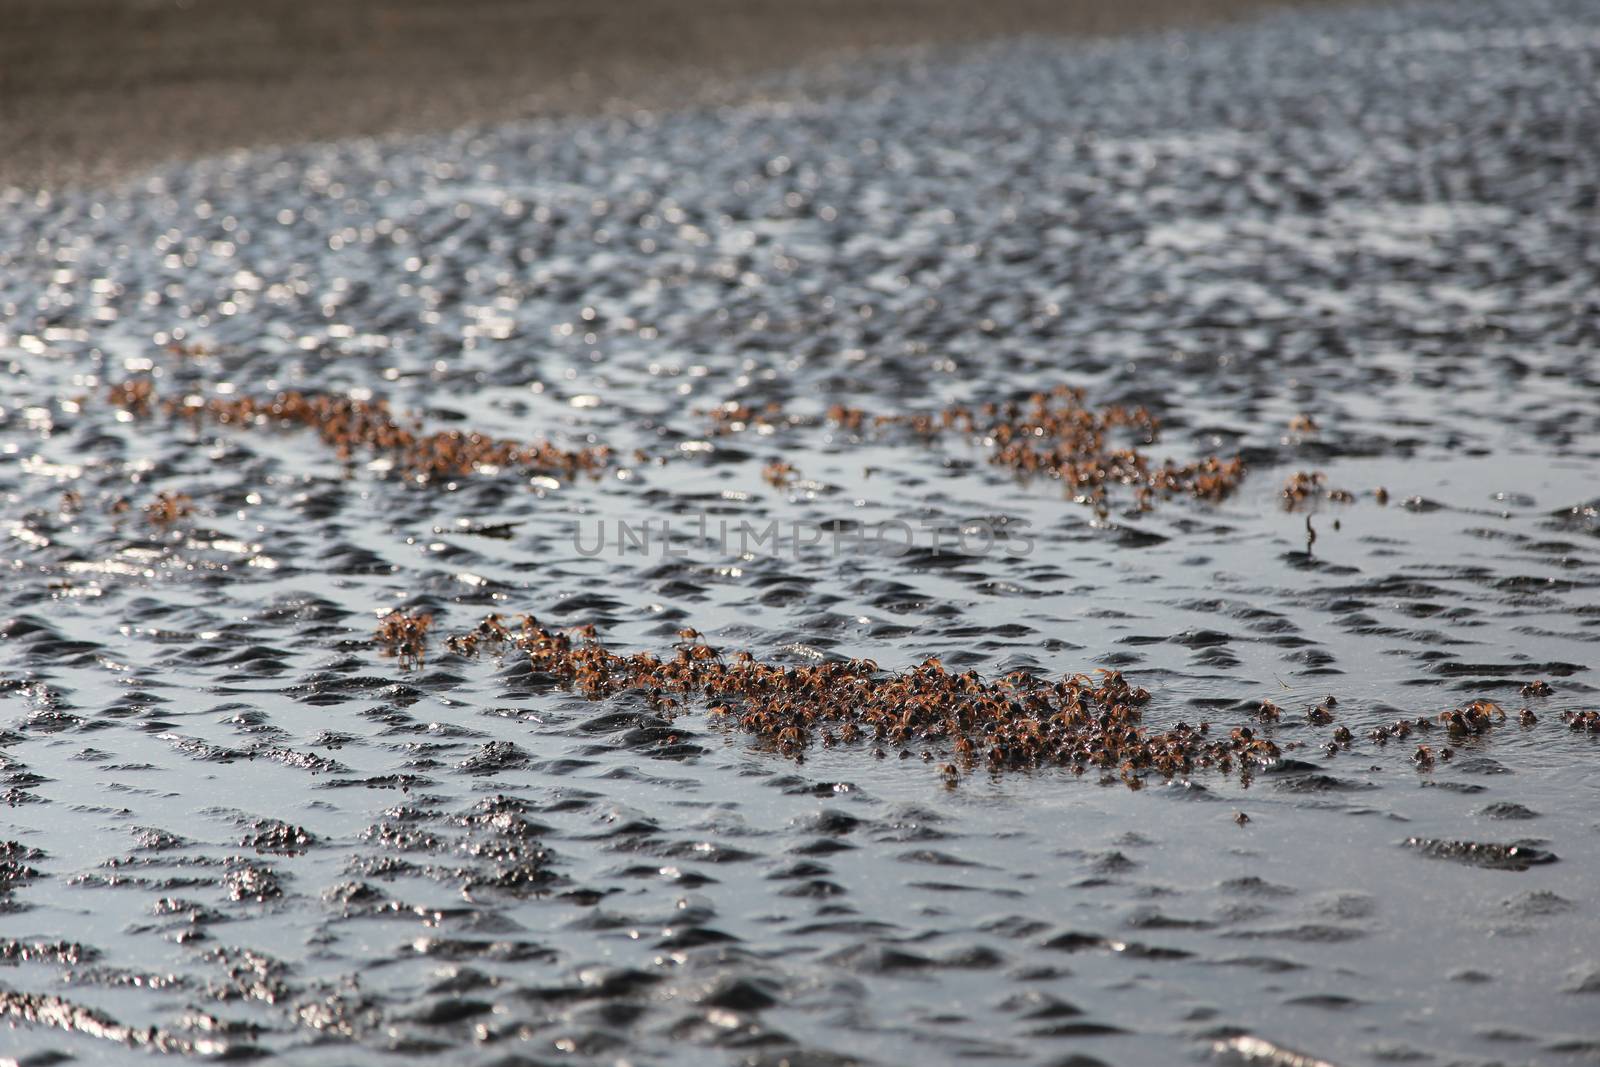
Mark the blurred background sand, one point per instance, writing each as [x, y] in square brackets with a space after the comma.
[91, 89]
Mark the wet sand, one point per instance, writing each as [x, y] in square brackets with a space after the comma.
[90, 89]
[1238, 696]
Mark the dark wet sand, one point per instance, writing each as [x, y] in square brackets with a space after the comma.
[90, 89]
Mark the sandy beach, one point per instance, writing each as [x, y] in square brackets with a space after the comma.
[91, 89]
[1064, 552]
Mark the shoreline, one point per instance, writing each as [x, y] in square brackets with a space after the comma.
[96, 90]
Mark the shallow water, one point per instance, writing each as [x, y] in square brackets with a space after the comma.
[1378, 219]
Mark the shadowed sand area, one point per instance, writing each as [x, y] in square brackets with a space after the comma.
[92, 88]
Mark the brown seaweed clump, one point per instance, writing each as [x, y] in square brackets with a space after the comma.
[1474, 718]
[1582, 720]
[1399, 730]
[1058, 435]
[404, 635]
[779, 474]
[1469, 720]
[168, 508]
[734, 417]
[136, 396]
[1305, 486]
[1054, 434]
[1016, 722]
[349, 426]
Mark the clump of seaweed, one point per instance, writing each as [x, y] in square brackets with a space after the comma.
[192, 350]
[348, 426]
[1054, 434]
[851, 418]
[1399, 730]
[168, 508]
[779, 474]
[734, 417]
[404, 635]
[1582, 720]
[46, 1009]
[1016, 722]
[1305, 486]
[137, 396]
[1473, 718]
[1057, 435]
[1423, 757]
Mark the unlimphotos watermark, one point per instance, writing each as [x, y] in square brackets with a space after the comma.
[682, 536]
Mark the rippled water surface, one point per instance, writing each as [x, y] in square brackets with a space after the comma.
[1360, 243]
